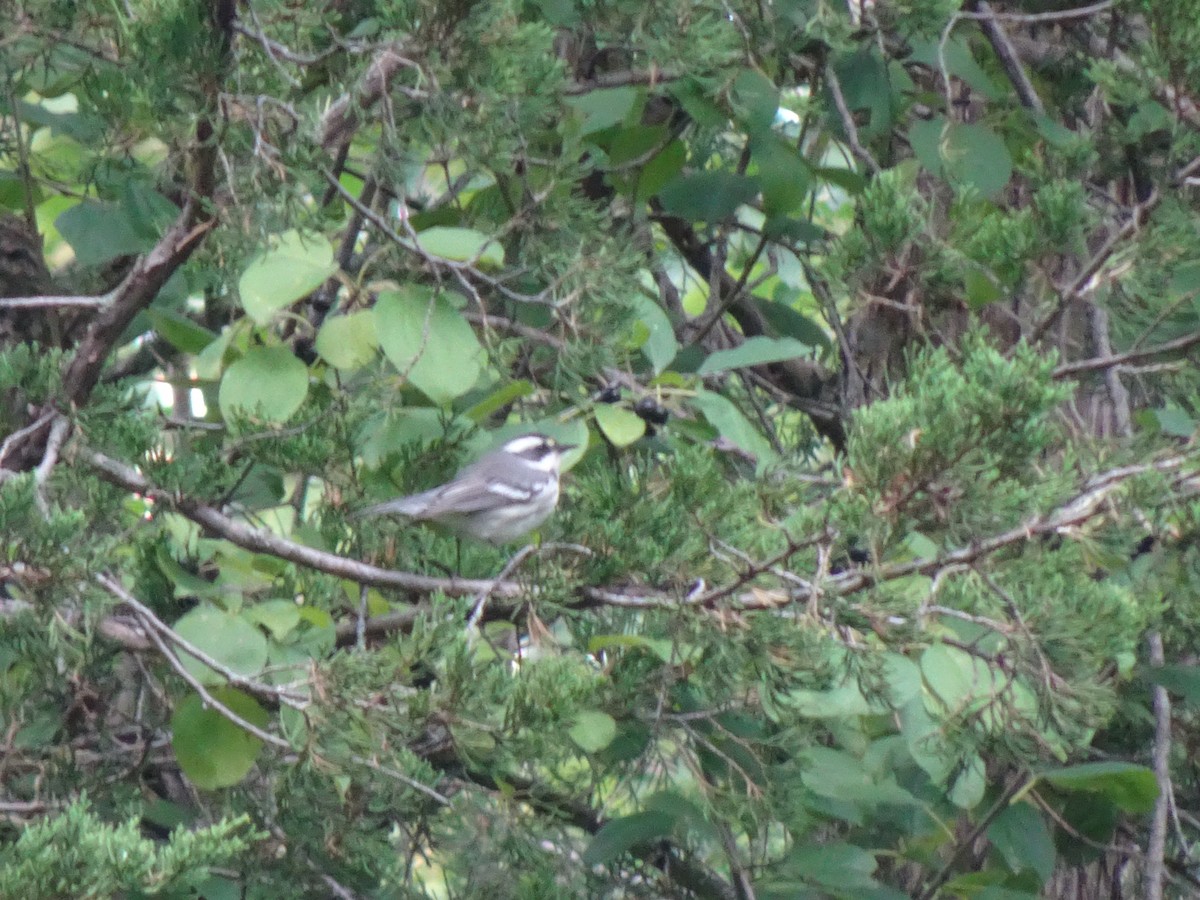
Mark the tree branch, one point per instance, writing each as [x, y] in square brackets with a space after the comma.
[259, 541]
[1156, 847]
[1008, 56]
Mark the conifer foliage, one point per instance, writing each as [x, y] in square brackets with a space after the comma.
[874, 574]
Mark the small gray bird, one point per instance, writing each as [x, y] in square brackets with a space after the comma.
[497, 499]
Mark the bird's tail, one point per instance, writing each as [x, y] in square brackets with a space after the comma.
[412, 507]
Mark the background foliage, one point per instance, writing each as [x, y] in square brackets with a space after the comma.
[875, 573]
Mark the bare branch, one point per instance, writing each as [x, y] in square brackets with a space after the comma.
[1079, 367]
[59, 429]
[1156, 847]
[55, 302]
[259, 541]
[265, 691]
[1008, 56]
[839, 100]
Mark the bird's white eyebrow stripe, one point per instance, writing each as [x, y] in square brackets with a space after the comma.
[524, 442]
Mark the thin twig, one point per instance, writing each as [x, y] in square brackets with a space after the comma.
[481, 600]
[839, 101]
[1057, 16]
[1008, 57]
[1067, 370]
[1156, 846]
[401, 777]
[147, 615]
[22, 433]
[57, 301]
[59, 428]
[209, 700]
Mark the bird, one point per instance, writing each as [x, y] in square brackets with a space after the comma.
[499, 498]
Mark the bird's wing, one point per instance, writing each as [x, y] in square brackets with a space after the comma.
[476, 496]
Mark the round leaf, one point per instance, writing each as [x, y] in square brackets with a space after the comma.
[462, 245]
[593, 730]
[732, 425]
[278, 616]
[297, 265]
[211, 750]
[754, 351]
[708, 196]
[229, 639]
[348, 342]
[783, 172]
[620, 425]
[428, 341]
[1131, 787]
[268, 382]
[976, 155]
[619, 835]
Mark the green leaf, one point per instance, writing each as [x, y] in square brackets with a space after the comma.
[665, 165]
[920, 546]
[865, 85]
[349, 341]
[835, 864]
[925, 740]
[268, 382]
[976, 155]
[428, 341]
[835, 703]
[179, 331]
[620, 425]
[511, 392]
[970, 783]
[1183, 681]
[278, 616]
[754, 351]
[1174, 421]
[618, 836]
[981, 288]
[783, 173]
[953, 676]
[1090, 820]
[664, 649]
[593, 730]
[903, 679]
[792, 324]
[606, 107]
[98, 232]
[1186, 278]
[754, 99]
[708, 196]
[960, 62]
[462, 245]
[295, 266]
[839, 775]
[925, 138]
[212, 751]
[788, 229]
[633, 142]
[696, 97]
[386, 435]
[1132, 788]
[1057, 134]
[1020, 835]
[228, 639]
[733, 426]
[657, 342]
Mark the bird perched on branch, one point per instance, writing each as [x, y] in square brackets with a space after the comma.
[504, 495]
